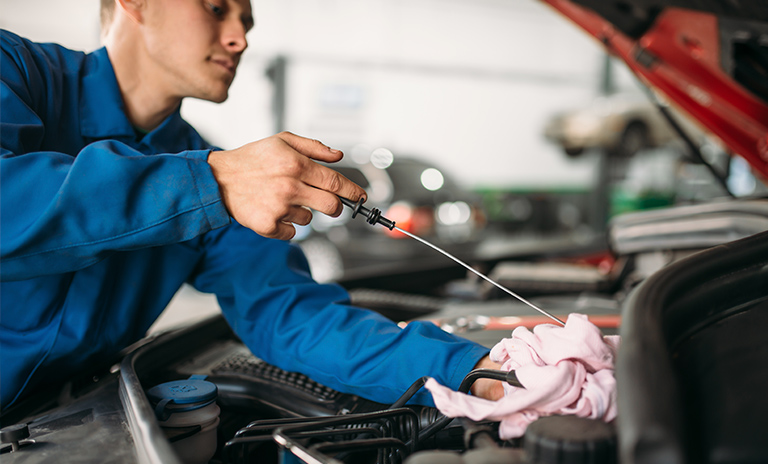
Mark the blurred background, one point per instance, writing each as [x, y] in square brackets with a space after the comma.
[491, 127]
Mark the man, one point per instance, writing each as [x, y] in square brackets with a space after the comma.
[111, 201]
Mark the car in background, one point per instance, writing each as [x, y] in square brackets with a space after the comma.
[420, 197]
[621, 123]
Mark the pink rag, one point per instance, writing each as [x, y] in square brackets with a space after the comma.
[565, 370]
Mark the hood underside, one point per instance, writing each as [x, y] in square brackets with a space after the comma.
[708, 58]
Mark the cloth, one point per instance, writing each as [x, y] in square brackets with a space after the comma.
[565, 370]
[100, 227]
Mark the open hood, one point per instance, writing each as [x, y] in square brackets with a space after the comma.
[708, 58]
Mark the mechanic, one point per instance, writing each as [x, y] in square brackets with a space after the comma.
[111, 201]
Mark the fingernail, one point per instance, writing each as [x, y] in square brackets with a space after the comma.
[334, 151]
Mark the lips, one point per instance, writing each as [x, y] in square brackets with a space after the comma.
[225, 63]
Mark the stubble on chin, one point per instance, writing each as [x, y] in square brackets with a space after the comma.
[215, 90]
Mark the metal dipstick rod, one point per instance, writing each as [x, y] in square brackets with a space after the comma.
[373, 216]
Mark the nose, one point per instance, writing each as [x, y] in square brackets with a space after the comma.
[233, 36]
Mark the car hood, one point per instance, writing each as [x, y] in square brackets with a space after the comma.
[709, 60]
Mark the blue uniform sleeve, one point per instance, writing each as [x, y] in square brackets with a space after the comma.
[63, 212]
[284, 317]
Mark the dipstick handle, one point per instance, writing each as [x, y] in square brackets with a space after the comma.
[373, 215]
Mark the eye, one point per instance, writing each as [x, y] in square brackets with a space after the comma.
[216, 10]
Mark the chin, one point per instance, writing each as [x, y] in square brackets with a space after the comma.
[212, 94]
[219, 98]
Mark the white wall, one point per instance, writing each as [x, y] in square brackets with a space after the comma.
[467, 83]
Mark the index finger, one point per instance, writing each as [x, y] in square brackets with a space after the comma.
[320, 176]
[325, 178]
[311, 148]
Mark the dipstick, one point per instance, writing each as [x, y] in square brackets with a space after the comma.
[434, 247]
[373, 216]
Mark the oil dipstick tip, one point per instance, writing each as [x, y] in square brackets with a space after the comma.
[372, 216]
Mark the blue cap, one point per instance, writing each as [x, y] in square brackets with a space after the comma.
[194, 391]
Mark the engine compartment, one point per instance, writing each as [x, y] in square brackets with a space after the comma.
[268, 414]
[691, 387]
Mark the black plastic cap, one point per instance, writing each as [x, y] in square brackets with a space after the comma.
[570, 439]
[14, 433]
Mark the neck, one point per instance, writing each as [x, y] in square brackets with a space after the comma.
[146, 103]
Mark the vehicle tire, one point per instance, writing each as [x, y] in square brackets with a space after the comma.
[634, 138]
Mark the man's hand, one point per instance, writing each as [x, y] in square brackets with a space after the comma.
[487, 388]
[271, 184]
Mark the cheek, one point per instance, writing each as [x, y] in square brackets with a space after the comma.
[183, 29]
[197, 35]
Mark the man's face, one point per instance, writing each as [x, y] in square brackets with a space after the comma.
[194, 46]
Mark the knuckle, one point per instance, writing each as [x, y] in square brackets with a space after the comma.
[292, 166]
[272, 142]
[331, 207]
[334, 181]
[288, 191]
[269, 230]
[271, 148]
[278, 211]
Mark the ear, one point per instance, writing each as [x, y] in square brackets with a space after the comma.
[133, 8]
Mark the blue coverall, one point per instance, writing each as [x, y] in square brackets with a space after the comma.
[100, 227]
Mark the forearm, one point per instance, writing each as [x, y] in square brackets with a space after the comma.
[288, 320]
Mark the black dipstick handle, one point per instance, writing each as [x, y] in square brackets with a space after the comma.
[373, 215]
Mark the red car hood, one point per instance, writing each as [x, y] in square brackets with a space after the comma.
[711, 62]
